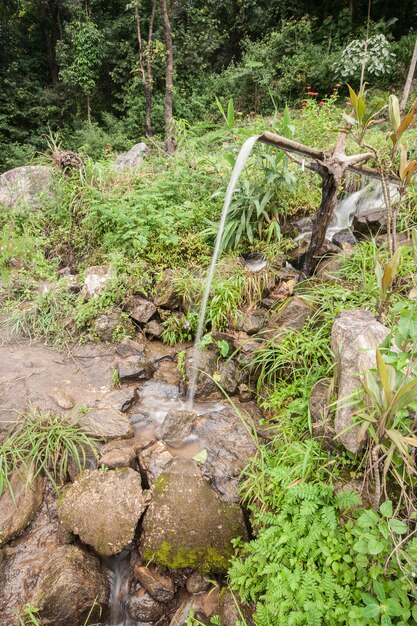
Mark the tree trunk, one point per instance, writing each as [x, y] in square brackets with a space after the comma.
[331, 167]
[170, 143]
[49, 14]
[146, 70]
[409, 79]
[88, 108]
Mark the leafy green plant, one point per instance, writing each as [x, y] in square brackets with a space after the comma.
[43, 442]
[316, 559]
[386, 417]
[179, 328]
[29, 615]
[385, 279]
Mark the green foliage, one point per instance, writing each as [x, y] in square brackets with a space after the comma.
[29, 615]
[376, 54]
[44, 442]
[80, 55]
[316, 560]
[178, 329]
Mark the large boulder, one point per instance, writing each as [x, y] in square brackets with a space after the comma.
[103, 508]
[30, 185]
[186, 524]
[71, 583]
[355, 337]
[19, 506]
[132, 158]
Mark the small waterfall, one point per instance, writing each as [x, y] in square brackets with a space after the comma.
[119, 566]
[345, 210]
[243, 156]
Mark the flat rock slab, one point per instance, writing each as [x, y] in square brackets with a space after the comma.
[186, 524]
[32, 373]
[355, 337]
[18, 511]
[103, 508]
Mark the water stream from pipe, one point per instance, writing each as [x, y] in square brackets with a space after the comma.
[243, 156]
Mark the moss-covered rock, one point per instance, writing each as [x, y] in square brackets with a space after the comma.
[186, 524]
[103, 508]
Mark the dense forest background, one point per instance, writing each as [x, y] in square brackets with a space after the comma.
[83, 69]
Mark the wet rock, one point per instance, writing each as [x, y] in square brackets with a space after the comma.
[139, 309]
[18, 511]
[186, 524]
[196, 583]
[293, 315]
[344, 237]
[103, 508]
[143, 608]
[177, 425]
[167, 372]
[161, 588]
[154, 329]
[130, 347]
[123, 399]
[132, 158]
[370, 220]
[135, 368]
[201, 607]
[71, 582]
[297, 254]
[244, 392]
[121, 453]
[154, 459]
[225, 437]
[231, 375]
[166, 296]
[355, 337]
[106, 323]
[214, 373]
[207, 366]
[322, 424]
[106, 423]
[24, 558]
[231, 610]
[253, 321]
[30, 185]
[63, 399]
[96, 279]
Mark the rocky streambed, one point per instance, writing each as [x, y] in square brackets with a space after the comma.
[140, 535]
[140, 532]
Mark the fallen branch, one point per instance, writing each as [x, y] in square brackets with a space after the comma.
[331, 167]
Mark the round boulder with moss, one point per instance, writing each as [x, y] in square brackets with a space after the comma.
[103, 508]
[187, 524]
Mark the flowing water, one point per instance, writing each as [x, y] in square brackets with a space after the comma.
[243, 156]
[119, 565]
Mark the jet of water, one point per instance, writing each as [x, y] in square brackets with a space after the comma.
[243, 156]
